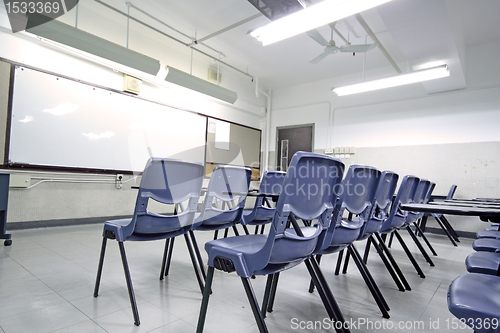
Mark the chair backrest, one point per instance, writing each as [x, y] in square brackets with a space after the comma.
[308, 193]
[358, 189]
[309, 189]
[405, 195]
[226, 194]
[308, 185]
[386, 187]
[421, 191]
[168, 182]
[429, 192]
[451, 193]
[356, 197]
[385, 192]
[271, 183]
[419, 197]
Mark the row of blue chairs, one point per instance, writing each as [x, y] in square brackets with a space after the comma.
[335, 211]
[475, 297]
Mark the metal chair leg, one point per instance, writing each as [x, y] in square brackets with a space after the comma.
[326, 295]
[272, 296]
[311, 284]
[169, 257]
[195, 264]
[417, 228]
[448, 226]
[367, 250]
[370, 282]
[388, 253]
[99, 268]
[346, 262]
[339, 262]
[164, 260]
[390, 269]
[254, 305]
[408, 254]
[236, 233]
[267, 293]
[198, 254]
[129, 284]
[216, 234]
[245, 229]
[420, 247]
[450, 237]
[204, 302]
[390, 240]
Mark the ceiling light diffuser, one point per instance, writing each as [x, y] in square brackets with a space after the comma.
[394, 81]
[311, 18]
[195, 83]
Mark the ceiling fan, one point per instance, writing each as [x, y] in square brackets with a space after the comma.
[331, 48]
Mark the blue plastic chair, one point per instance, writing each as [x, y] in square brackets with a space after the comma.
[380, 212]
[352, 212]
[483, 263]
[263, 212]
[420, 197]
[486, 245]
[167, 181]
[223, 203]
[441, 219]
[225, 197]
[307, 194]
[397, 216]
[475, 299]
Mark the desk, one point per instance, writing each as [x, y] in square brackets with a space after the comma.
[444, 208]
[485, 213]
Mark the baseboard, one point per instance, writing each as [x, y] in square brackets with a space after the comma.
[61, 223]
[465, 234]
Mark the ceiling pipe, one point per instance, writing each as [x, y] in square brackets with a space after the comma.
[232, 26]
[170, 27]
[268, 95]
[171, 37]
[372, 35]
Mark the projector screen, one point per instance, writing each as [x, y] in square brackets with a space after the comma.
[64, 123]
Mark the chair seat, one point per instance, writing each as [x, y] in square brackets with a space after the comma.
[263, 216]
[492, 228]
[475, 296]
[483, 263]
[488, 234]
[284, 255]
[486, 244]
[116, 226]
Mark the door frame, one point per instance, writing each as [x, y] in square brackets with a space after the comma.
[278, 151]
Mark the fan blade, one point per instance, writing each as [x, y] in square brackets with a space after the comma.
[319, 58]
[358, 48]
[314, 34]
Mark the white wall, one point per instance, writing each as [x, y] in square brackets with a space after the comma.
[66, 199]
[446, 137]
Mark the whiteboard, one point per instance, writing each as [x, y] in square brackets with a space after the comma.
[65, 123]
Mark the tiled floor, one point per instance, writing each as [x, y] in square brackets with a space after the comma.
[47, 280]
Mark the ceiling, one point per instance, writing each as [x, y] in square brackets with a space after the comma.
[412, 31]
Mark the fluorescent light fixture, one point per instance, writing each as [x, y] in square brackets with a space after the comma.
[394, 81]
[194, 83]
[311, 18]
[83, 41]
